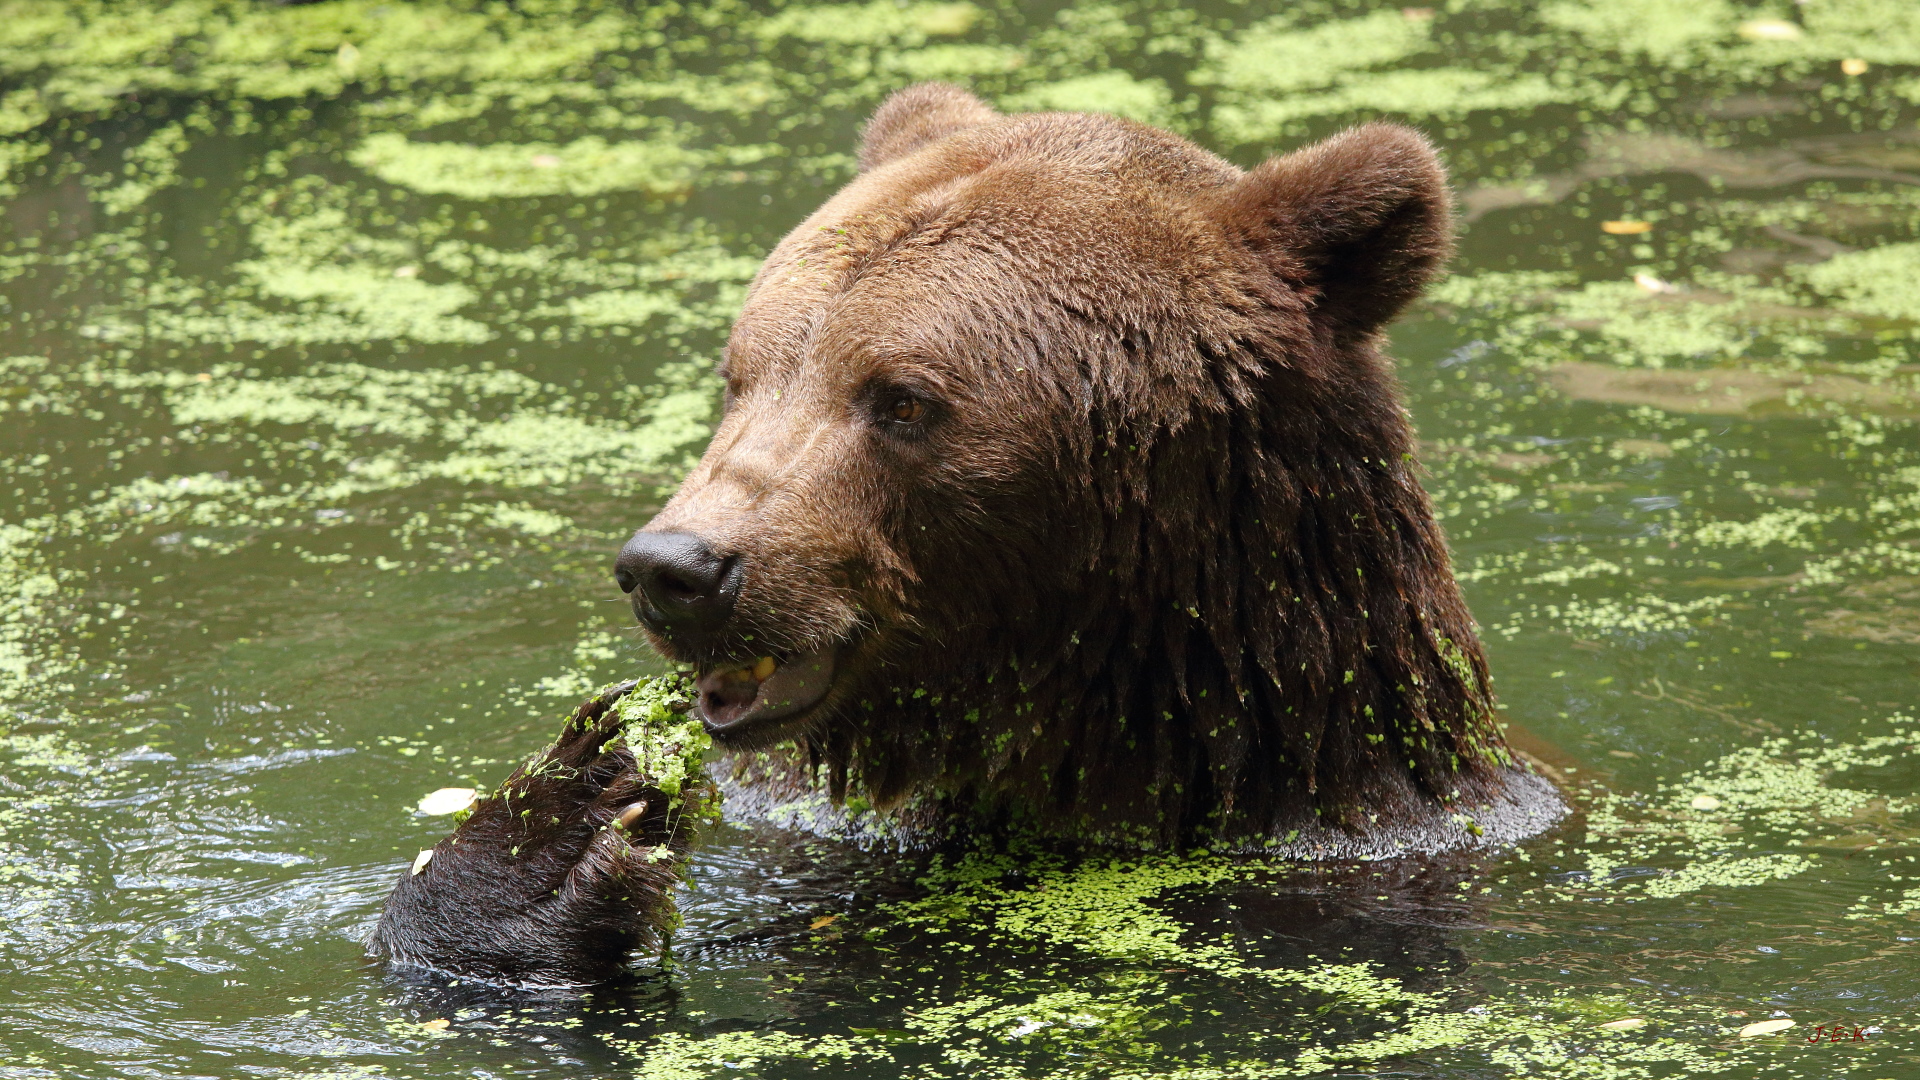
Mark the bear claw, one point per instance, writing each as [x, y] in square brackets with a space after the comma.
[631, 814]
[553, 879]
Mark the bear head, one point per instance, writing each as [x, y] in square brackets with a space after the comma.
[1061, 479]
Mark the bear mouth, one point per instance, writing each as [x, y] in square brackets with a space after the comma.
[736, 697]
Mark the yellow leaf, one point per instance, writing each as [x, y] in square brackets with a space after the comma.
[1626, 228]
[1764, 1027]
[447, 800]
[1704, 802]
[1853, 65]
[824, 920]
[1631, 1023]
[436, 1025]
[421, 860]
[1770, 30]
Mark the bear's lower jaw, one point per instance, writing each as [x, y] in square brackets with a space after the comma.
[736, 698]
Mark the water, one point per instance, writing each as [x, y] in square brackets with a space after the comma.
[346, 341]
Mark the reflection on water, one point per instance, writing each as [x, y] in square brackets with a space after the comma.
[344, 341]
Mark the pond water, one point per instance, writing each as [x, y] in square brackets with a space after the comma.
[343, 343]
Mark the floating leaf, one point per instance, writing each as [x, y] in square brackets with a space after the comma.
[1770, 30]
[440, 1024]
[1653, 284]
[1631, 1023]
[1853, 65]
[1705, 802]
[447, 800]
[1626, 228]
[1764, 1027]
[824, 920]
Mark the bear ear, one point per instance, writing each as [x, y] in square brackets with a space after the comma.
[916, 116]
[1360, 223]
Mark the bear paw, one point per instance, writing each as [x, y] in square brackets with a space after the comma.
[553, 879]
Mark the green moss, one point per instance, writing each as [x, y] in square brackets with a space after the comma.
[1881, 31]
[663, 166]
[362, 303]
[1734, 822]
[875, 23]
[681, 1057]
[1882, 281]
[966, 63]
[1673, 32]
[93, 55]
[1278, 56]
[1423, 94]
[1146, 100]
[1634, 616]
[668, 742]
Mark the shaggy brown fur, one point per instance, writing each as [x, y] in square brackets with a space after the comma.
[1069, 448]
[1155, 566]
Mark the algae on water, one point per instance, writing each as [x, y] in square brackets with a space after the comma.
[346, 341]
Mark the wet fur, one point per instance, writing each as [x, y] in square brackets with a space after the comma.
[1157, 571]
[1160, 570]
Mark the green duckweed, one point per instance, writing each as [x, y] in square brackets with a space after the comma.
[345, 342]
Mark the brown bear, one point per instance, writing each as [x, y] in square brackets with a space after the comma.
[1063, 489]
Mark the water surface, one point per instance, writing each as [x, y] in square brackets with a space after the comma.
[343, 343]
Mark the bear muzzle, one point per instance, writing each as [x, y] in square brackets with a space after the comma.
[685, 591]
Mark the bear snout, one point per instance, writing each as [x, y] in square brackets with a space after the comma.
[680, 587]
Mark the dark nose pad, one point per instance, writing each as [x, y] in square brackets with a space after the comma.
[681, 588]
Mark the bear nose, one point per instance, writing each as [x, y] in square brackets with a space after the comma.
[681, 587]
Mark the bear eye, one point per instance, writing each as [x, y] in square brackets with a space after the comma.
[907, 410]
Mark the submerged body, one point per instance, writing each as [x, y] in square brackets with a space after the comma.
[1063, 489]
